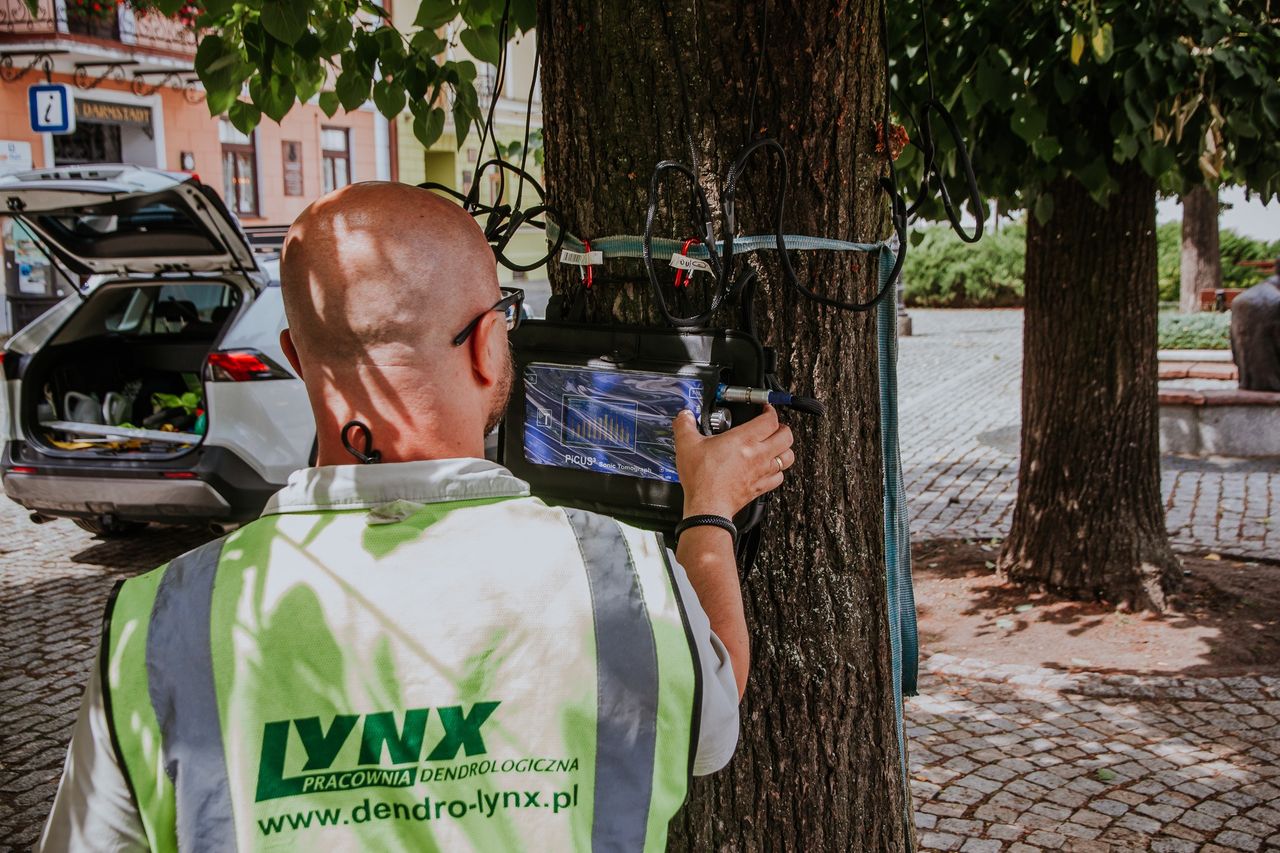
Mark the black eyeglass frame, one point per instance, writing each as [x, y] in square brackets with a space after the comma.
[512, 297]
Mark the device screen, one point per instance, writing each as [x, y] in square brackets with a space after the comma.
[607, 421]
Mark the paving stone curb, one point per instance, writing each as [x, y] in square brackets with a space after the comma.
[1105, 685]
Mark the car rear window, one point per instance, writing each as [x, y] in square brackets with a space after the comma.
[128, 229]
[177, 310]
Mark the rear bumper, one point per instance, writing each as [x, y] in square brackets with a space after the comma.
[208, 484]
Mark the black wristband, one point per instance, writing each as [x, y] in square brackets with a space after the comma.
[708, 521]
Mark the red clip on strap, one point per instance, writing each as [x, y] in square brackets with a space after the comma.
[588, 276]
[683, 278]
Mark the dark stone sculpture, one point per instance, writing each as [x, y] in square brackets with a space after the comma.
[1255, 335]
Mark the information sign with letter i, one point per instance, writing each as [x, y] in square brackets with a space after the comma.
[53, 108]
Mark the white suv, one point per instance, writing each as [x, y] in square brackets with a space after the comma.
[158, 393]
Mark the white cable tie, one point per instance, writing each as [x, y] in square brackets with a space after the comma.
[581, 259]
[688, 264]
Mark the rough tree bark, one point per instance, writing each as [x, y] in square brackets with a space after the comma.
[1201, 259]
[1089, 521]
[818, 765]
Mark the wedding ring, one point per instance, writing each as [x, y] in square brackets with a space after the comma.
[778, 459]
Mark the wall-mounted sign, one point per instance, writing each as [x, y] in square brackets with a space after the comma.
[15, 156]
[127, 114]
[188, 160]
[291, 154]
[53, 108]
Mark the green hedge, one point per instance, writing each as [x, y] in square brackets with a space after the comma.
[944, 272]
[1233, 247]
[1208, 330]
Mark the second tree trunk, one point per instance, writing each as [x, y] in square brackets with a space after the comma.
[1089, 520]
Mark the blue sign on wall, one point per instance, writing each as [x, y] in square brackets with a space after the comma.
[53, 108]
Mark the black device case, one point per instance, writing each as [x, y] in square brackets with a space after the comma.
[720, 356]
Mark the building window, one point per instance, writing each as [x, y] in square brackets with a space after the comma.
[335, 148]
[292, 158]
[239, 170]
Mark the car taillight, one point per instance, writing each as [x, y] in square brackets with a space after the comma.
[242, 365]
[22, 469]
[179, 475]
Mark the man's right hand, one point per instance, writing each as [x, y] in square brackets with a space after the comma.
[723, 473]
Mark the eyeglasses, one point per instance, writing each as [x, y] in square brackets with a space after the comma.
[510, 303]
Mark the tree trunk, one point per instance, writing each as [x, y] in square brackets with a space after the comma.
[817, 767]
[1201, 260]
[1089, 521]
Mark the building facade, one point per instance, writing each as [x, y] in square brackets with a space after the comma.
[456, 165]
[137, 101]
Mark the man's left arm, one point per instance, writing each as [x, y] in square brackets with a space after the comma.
[718, 715]
[94, 809]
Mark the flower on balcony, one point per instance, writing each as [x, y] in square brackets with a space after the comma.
[186, 14]
[102, 10]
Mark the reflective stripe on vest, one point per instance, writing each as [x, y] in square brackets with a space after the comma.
[627, 692]
[180, 683]
[646, 677]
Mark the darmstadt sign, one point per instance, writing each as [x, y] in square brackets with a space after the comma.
[113, 113]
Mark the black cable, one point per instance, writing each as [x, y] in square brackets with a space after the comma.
[502, 221]
[499, 73]
[528, 116]
[779, 212]
[931, 169]
[762, 47]
[682, 80]
[700, 212]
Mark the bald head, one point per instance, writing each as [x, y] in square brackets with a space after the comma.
[377, 279]
[383, 273]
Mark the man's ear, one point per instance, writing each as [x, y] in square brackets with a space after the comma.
[489, 349]
[290, 351]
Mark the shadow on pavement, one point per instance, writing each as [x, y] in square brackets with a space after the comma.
[1227, 620]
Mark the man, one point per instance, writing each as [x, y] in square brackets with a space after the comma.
[1255, 334]
[416, 654]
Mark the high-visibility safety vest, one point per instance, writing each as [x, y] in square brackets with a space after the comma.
[490, 674]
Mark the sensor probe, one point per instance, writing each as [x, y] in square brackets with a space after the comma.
[761, 396]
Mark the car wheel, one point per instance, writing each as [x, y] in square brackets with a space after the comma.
[110, 528]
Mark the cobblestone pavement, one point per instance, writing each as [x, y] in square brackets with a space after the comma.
[960, 377]
[54, 582]
[1017, 758]
[1008, 758]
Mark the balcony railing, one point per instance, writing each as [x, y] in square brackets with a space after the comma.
[157, 32]
[17, 19]
[54, 18]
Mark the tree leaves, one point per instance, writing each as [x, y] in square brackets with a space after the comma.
[1043, 210]
[1042, 91]
[222, 69]
[1029, 120]
[283, 20]
[329, 103]
[482, 43]
[273, 95]
[433, 14]
[428, 123]
[1101, 39]
[388, 98]
[352, 87]
[1103, 43]
[244, 116]
[287, 51]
